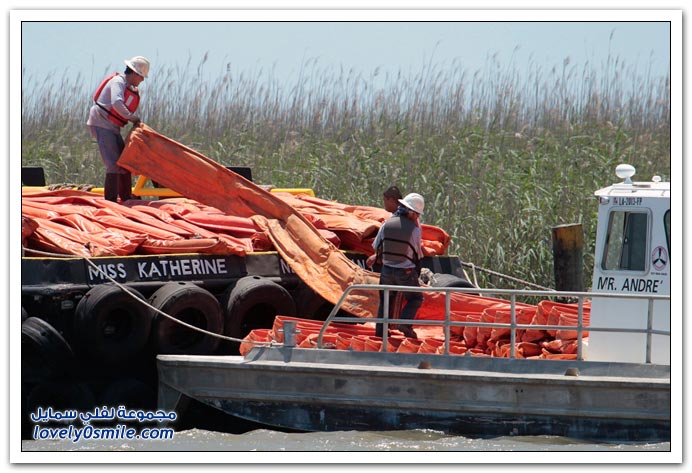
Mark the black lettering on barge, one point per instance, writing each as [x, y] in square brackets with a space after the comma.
[105, 271]
[181, 267]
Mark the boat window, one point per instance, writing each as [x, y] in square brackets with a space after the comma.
[626, 241]
[666, 223]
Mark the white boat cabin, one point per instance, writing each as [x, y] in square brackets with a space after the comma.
[632, 257]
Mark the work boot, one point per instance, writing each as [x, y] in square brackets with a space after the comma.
[378, 333]
[110, 187]
[408, 331]
[379, 330]
[125, 186]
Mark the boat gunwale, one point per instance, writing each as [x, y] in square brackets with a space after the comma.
[440, 364]
[173, 369]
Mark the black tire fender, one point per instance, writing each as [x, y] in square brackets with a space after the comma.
[110, 325]
[129, 392]
[449, 280]
[193, 305]
[45, 353]
[253, 303]
[60, 395]
[309, 304]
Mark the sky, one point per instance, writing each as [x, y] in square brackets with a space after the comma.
[66, 43]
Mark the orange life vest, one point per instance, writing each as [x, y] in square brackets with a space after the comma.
[131, 100]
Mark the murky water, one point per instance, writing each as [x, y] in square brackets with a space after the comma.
[351, 441]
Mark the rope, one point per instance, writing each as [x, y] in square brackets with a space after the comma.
[494, 273]
[146, 304]
[67, 185]
[231, 339]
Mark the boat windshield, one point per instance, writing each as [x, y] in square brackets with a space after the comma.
[626, 242]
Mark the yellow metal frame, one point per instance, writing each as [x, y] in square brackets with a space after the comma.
[295, 191]
[141, 191]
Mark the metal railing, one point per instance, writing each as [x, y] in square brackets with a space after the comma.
[513, 326]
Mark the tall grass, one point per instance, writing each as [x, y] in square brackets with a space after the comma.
[500, 156]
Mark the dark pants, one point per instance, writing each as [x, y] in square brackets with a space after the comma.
[399, 277]
[118, 180]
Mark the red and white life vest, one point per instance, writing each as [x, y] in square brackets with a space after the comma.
[131, 100]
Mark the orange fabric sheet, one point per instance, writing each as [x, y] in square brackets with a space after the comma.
[357, 225]
[81, 223]
[223, 213]
[315, 260]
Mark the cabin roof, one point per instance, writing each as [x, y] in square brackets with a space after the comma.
[649, 189]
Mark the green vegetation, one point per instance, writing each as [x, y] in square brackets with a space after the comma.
[499, 160]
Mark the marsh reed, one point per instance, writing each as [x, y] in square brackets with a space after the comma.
[501, 155]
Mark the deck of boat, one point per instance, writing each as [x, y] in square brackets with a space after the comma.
[310, 390]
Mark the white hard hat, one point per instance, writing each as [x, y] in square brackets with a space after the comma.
[413, 202]
[139, 64]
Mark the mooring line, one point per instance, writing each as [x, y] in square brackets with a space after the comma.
[146, 304]
[495, 273]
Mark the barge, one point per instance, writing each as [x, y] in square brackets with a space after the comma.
[617, 387]
[104, 285]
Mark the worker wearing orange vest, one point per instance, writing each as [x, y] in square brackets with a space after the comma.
[115, 104]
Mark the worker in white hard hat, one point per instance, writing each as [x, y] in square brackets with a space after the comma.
[115, 105]
[398, 247]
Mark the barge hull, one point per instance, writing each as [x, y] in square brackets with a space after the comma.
[281, 387]
[323, 417]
